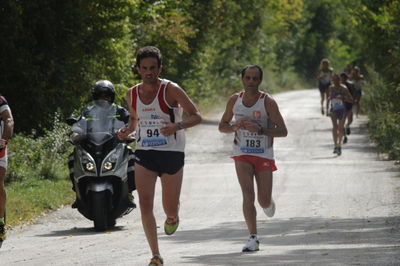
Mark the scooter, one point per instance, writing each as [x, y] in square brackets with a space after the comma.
[100, 164]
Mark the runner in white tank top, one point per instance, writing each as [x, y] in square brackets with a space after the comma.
[324, 77]
[156, 107]
[152, 117]
[256, 121]
[251, 143]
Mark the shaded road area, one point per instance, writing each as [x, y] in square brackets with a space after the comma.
[330, 210]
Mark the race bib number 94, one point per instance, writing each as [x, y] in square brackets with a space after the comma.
[150, 133]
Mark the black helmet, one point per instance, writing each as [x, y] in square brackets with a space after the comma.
[103, 88]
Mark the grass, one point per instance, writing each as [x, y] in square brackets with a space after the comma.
[30, 199]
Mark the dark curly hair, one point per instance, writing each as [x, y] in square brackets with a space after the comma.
[148, 51]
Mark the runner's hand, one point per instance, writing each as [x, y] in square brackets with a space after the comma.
[169, 129]
[122, 133]
[236, 127]
[251, 126]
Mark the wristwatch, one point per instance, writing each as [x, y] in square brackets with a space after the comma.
[181, 125]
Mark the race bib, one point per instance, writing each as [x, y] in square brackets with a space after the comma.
[150, 134]
[337, 104]
[252, 142]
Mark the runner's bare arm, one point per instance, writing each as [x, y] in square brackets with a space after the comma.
[347, 96]
[317, 77]
[328, 99]
[279, 128]
[8, 120]
[132, 123]
[225, 125]
[176, 95]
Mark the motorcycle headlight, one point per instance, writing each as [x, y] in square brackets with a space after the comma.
[89, 166]
[107, 166]
[88, 163]
[111, 160]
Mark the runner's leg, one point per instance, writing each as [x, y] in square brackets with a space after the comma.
[2, 192]
[171, 191]
[335, 128]
[245, 173]
[357, 104]
[322, 101]
[145, 186]
[340, 131]
[349, 117]
[264, 188]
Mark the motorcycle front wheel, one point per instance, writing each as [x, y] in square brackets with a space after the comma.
[100, 208]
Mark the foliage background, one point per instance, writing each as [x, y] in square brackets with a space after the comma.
[53, 51]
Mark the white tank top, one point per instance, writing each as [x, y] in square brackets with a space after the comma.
[358, 84]
[246, 142]
[3, 107]
[152, 117]
[325, 76]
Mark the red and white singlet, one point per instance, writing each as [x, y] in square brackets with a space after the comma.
[246, 142]
[152, 117]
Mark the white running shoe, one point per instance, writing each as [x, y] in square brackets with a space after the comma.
[252, 244]
[270, 211]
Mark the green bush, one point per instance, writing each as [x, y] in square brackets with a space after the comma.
[45, 157]
[381, 103]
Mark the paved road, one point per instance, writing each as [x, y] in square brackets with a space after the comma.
[330, 210]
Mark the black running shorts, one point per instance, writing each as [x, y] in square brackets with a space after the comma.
[161, 162]
[348, 106]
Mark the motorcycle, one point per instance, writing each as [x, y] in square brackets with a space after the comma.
[100, 164]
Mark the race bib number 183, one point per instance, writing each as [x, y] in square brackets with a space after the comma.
[252, 142]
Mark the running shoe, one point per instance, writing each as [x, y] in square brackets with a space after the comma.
[339, 150]
[345, 140]
[156, 260]
[131, 201]
[170, 225]
[252, 244]
[2, 233]
[335, 150]
[348, 131]
[270, 210]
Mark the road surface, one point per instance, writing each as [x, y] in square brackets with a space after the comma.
[330, 210]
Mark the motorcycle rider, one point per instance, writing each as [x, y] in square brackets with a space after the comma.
[103, 92]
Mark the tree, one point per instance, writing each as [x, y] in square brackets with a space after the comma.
[53, 51]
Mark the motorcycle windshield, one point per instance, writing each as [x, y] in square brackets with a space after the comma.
[101, 122]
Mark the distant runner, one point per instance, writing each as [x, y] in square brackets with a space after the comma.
[349, 106]
[324, 76]
[337, 95]
[358, 80]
